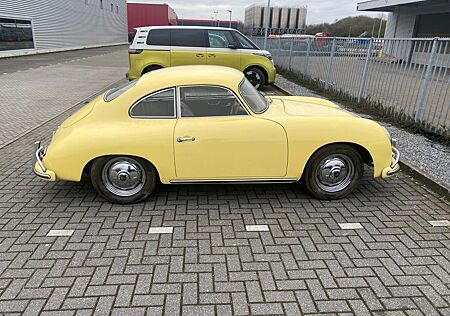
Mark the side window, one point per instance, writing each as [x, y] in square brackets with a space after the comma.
[219, 39]
[188, 38]
[244, 42]
[200, 101]
[160, 104]
[159, 37]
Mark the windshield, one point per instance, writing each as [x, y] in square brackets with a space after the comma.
[114, 93]
[255, 100]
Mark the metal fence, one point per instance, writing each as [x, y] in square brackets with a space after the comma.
[408, 78]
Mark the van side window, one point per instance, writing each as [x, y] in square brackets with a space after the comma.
[219, 38]
[243, 41]
[188, 37]
[159, 37]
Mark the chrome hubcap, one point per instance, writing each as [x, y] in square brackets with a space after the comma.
[335, 173]
[123, 176]
[254, 78]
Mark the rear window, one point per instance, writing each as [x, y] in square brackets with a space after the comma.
[188, 37]
[159, 37]
[114, 93]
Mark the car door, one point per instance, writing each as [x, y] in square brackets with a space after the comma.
[222, 49]
[216, 138]
[188, 47]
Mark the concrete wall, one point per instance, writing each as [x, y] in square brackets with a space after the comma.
[71, 23]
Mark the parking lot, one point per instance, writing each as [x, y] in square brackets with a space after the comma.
[195, 250]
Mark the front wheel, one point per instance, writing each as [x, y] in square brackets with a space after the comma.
[256, 77]
[123, 179]
[334, 172]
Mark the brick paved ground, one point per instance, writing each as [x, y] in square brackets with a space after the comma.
[28, 95]
[397, 264]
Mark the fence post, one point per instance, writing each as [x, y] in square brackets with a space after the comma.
[362, 87]
[279, 51]
[308, 50]
[328, 83]
[426, 81]
[290, 54]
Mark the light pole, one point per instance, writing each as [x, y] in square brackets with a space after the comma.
[266, 24]
[215, 18]
[230, 16]
[381, 23]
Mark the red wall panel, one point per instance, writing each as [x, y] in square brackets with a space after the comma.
[149, 15]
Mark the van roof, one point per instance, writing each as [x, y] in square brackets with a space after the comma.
[143, 28]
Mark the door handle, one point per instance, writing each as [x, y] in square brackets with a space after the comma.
[212, 55]
[200, 55]
[185, 139]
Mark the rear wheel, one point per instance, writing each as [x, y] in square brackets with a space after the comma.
[123, 179]
[334, 172]
[256, 76]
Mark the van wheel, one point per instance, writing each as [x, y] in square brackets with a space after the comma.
[123, 179]
[334, 172]
[256, 77]
[150, 68]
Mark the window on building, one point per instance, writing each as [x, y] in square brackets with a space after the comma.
[157, 105]
[159, 37]
[101, 4]
[188, 38]
[200, 101]
[15, 34]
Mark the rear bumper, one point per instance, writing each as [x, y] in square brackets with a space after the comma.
[394, 167]
[39, 169]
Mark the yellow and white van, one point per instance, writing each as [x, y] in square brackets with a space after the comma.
[166, 46]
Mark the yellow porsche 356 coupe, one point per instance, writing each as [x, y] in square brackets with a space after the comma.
[208, 124]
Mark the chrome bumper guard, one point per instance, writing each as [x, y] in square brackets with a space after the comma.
[394, 166]
[39, 154]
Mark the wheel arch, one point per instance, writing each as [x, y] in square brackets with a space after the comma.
[266, 74]
[87, 167]
[153, 65]
[364, 152]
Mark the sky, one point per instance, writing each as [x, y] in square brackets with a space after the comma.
[318, 10]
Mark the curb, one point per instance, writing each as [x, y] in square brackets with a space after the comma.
[55, 50]
[428, 180]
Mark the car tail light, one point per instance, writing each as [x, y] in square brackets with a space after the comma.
[134, 51]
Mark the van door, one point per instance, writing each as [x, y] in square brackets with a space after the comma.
[222, 49]
[188, 47]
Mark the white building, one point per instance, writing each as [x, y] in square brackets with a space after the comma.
[412, 18]
[43, 24]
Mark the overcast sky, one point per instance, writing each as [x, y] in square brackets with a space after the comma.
[318, 10]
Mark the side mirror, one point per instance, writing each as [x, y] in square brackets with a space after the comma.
[233, 46]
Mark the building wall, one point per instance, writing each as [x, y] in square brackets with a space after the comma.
[140, 14]
[71, 23]
[282, 19]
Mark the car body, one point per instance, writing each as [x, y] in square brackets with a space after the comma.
[200, 124]
[166, 46]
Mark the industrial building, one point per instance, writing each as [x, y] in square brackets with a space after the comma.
[143, 13]
[44, 24]
[282, 20]
[412, 18]
[219, 23]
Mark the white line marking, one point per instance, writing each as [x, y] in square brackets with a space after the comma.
[60, 232]
[440, 223]
[161, 230]
[257, 228]
[350, 225]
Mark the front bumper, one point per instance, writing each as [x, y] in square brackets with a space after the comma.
[39, 168]
[394, 167]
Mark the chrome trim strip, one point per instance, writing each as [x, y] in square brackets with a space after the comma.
[250, 180]
[40, 152]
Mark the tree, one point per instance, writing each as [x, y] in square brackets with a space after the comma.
[353, 26]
